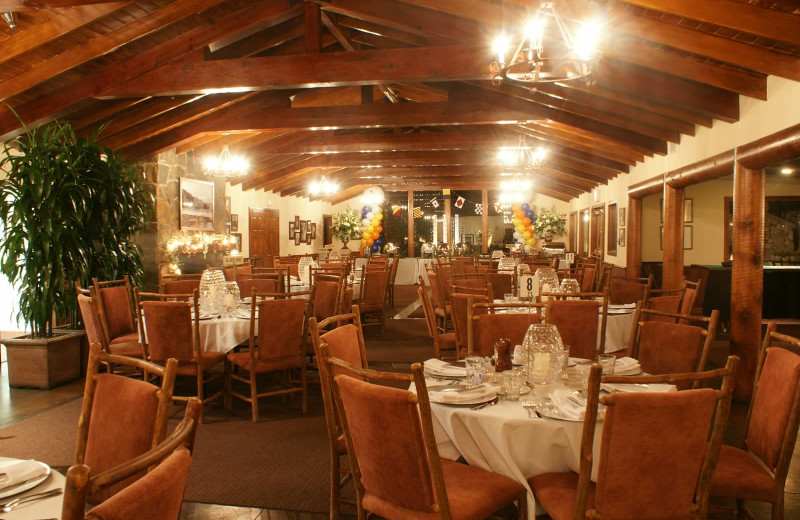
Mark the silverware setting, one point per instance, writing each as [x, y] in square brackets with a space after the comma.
[484, 405]
[12, 504]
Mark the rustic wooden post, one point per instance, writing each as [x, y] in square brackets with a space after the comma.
[313, 29]
[633, 253]
[673, 238]
[447, 215]
[411, 223]
[747, 276]
[485, 222]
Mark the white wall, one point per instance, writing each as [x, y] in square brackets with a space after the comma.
[757, 119]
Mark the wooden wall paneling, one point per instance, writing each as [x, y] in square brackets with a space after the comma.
[673, 238]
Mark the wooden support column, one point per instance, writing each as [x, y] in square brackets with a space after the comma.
[410, 223]
[485, 222]
[313, 28]
[633, 253]
[747, 277]
[447, 214]
[673, 238]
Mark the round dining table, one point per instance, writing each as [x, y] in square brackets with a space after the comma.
[45, 508]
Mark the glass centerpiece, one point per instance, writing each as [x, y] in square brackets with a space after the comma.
[544, 353]
[212, 291]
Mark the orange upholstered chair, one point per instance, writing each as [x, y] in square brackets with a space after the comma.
[489, 322]
[232, 274]
[115, 310]
[587, 277]
[172, 330]
[373, 294]
[630, 290]
[757, 469]
[345, 341]
[441, 308]
[502, 282]
[655, 457]
[156, 495]
[178, 283]
[664, 347]
[94, 331]
[442, 342]
[121, 418]
[392, 451]
[461, 303]
[580, 323]
[280, 326]
[258, 282]
[330, 285]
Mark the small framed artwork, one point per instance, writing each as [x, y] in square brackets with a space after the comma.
[621, 221]
[688, 211]
[688, 237]
[234, 222]
[314, 230]
[308, 238]
[196, 205]
[469, 239]
[303, 232]
[292, 230]
[238, 238]
[621, 237]
[297, 222]
[296, 238]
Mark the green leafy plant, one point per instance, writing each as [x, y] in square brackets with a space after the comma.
[550, 224]
[345, 224]
[70, 210]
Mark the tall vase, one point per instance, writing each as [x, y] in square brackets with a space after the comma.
[344, 244]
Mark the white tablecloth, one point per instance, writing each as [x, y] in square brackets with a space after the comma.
[46, 508]
[408, 271]
[618, 331]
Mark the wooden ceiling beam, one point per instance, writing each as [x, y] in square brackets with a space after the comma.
[363, 27]
[291, 27]
[585, 153]
[53, 28]
[735, 15]
[576, 138]
[209, 28]
[100, 110]
[143, 111]
[313, 70]
[101, 45]
[24, 5]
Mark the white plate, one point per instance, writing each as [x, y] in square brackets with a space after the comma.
[466, 402]
[502, 391]
[19, 488]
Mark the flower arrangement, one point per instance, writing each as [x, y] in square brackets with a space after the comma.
[550, 223]
[346, 225]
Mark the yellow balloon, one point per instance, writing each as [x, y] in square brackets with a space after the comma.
[526, 235]
[521, 228]
[531, 242]
[365, 235]
[516, 222]
[379, 216]
[375, 222]
[369, 229]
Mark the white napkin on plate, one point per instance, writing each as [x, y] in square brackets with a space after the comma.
[563, 400]
[627, 365]
[17, 471]
[443, 368]
[243, 314]
[612, 388]
[621, 305]
[478, 394]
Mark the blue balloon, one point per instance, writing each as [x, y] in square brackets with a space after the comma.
[374, 248]
[525, 207]
[366, 209]
[529, 214]
[379, 242]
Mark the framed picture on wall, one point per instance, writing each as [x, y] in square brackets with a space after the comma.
[314, 230]
[688, 237]
[292, 230]
[469, 238]
[303, 232]
[296, 238]
[621, 221]
[196, 205]
[621, 237]
[238, 238]
[234, 222]
[688, 210]
[308, 238]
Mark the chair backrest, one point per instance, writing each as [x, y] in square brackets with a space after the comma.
[404, 469]
[171, 328]
[444, 271]
[587, 278]
[329, 292]
[121, 417]
[664, 347]
[502, 282]
[581, 324]
[774, 415]
[232, 273]
[461, 304]
[436, 290]
[629, 290]
[485, 325]
[156, 495]
[373, 286]
[393, 270]
[281, 327]
[91, 321]
[114, 305]
[178, 283]
[259, 283]
[669, 303]
[690, 292]
[427, 309]
[680, 433]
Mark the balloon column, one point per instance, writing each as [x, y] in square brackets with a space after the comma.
[372, 234]
[523, 224]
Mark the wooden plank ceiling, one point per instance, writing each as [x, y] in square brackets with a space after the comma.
[394, 93]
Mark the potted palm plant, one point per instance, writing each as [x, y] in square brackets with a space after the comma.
[70, 210]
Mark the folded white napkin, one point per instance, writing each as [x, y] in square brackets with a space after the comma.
[478, 394]
[243, 314]
[621, 305]
[563, 401]
[625, 387]
[17, 471]
[626, 365]
[439, 367]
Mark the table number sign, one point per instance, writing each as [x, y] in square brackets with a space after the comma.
[528, 285]
[571, 258]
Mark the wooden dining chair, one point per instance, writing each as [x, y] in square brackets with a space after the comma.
[393, 266]
[489, 322]
[371, 299]
[116, 311]
[658, 451]
[401, 476]
[260, 283]
[159, 477]
[502, 282]
[233, 273]
[121, 418]
[442, 342]
[581, 324]
[345, 341]
[442, 309]
[461, 305]
[277, 344]
[629, 290]
[172, 330]
[664, 347]
[330, 285]
[757, 468]
[87, 303]
[178, 283]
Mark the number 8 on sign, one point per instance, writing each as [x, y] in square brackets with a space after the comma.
[528, 285]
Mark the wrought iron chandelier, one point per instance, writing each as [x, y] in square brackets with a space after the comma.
[322, 187]
[535, 61]
[522, 158]
[226, 164]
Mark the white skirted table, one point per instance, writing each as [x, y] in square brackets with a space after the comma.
[49, 507]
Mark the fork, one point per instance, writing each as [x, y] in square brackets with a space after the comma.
[12, 504]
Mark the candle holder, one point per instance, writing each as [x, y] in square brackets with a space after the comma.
[544, 353]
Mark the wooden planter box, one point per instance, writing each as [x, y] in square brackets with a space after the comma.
[44, 363]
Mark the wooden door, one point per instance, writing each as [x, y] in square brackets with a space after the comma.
[264, 235]
[597, 231]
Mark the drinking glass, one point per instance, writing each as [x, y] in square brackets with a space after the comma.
[607, 361]
[512, 384]
[564, 362]
[508, 297]
[475, 371]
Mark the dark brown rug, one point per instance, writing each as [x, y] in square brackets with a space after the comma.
[279, 463]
